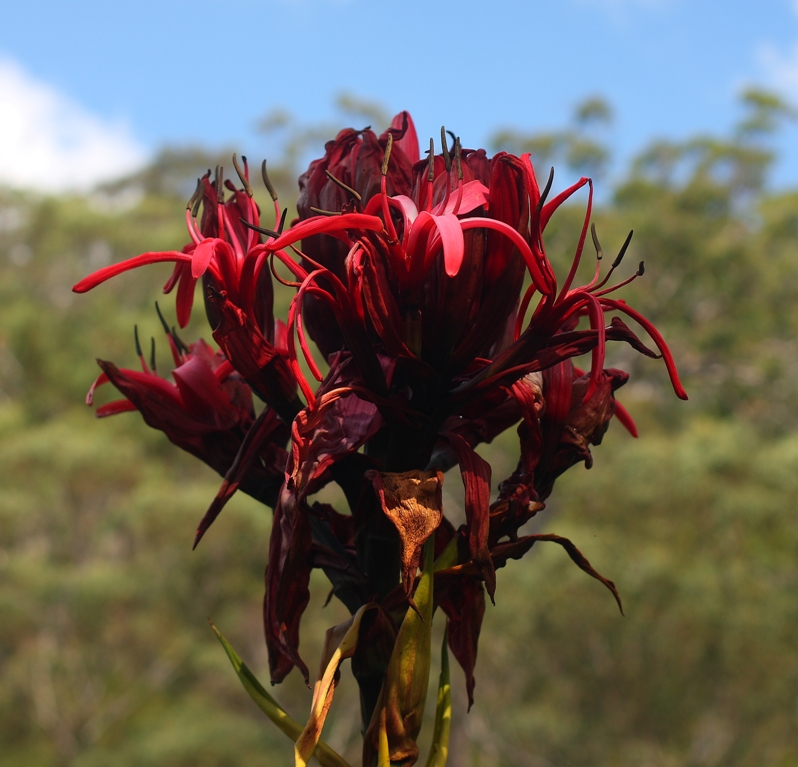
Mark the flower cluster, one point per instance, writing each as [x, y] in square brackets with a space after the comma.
[439, 323]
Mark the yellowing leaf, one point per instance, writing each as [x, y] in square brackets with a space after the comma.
[405, 690]
[439, 751]
[339, 644]
[266, 703]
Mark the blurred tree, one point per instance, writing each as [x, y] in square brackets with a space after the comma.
[580, 147]
[105, 654]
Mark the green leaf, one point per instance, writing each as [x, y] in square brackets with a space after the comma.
[266, 703]
[405, 690]
[439, 751]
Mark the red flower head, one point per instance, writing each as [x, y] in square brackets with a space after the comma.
[409, 275]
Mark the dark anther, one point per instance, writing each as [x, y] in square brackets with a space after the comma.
[546, 190]
[262, 230]
[343, 185]
[321, 212]
[161, 318]
[596, 243]
[152, 355]
[136, 336]
[178, 341]
[267, 232]
[387, 156]
[242, 175]
[267, 182]
[197, 202]
[622, 251]
[457, 161]
[641, 269]
[447, 159]
[431, 161]
[220, 184]
[195, 198]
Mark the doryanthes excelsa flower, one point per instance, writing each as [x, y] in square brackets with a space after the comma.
[427, 289]
[208, 412]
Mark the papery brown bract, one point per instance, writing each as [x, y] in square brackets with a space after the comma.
[413, 501]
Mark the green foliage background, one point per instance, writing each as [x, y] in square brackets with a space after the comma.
[105, 652]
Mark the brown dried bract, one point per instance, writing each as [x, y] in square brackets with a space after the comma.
[413, 501]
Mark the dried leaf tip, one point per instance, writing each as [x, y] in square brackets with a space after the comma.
[622, 251]
[387, 156]
[267, 182]
[242, 174]
[196, 198]
[343, 186]
[596, 243]
[219, 184]
[447, 158]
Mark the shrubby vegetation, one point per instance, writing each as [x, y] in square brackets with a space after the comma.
[105, 652]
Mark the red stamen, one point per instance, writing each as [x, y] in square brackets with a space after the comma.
[193, 230]
[580, 245]
[656, 337]
[101, 379]
[522, 245]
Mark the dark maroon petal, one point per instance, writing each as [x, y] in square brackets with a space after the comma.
[324, 436]
[264, 367]
[259, 434]
[464, 606]
[201, 391]
[579, 559]
[287, 592]
[476, 479]
[405, 136]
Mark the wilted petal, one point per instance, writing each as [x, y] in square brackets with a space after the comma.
[464, 606]
[476, 472]
[328, 434]
[413, 501]
[287, 587]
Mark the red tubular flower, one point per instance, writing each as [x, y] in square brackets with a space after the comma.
[207, 412]
[409, 277]
[233, 265]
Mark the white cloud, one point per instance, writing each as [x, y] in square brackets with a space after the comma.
[780, 68]
[51, 143]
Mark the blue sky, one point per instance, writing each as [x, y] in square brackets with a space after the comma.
[90, 89]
